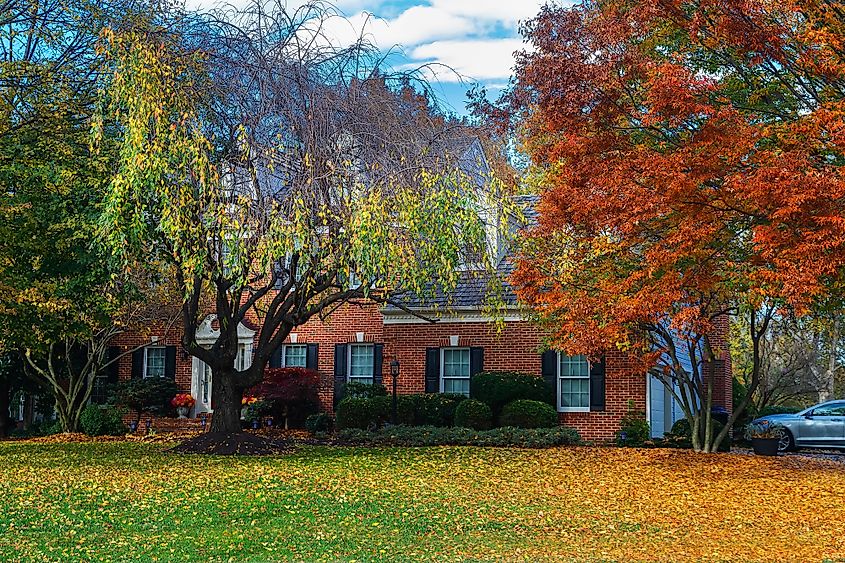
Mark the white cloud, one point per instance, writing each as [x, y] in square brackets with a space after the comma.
[414, 26]
[505, 11]
[483, 59]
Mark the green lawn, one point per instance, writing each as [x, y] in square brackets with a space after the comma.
[129, 501]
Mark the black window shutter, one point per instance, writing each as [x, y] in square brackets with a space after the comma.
[432, 370]
[113, 368]
[138, 364]
[378, 363]
[311, 358]
[549, 367]
[276, 357]
[597, 384]
[339, 372]
[476, 364]
[170, 362]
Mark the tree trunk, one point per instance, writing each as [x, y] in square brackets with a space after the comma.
[226, 396]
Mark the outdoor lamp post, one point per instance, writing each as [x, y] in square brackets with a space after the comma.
[394, 372]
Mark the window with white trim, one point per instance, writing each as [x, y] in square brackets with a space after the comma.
[244, 358]
[361, 363]
[154, 361]
[295, 356]
[573, 383]
[454, 370]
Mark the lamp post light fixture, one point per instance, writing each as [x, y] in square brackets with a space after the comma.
[394, 373]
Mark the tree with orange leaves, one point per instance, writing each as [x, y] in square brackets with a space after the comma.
[690, 159]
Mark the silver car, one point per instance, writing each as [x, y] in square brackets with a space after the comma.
[821, 425]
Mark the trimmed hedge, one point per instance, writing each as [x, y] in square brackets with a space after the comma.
[526, 413]
[362, 413]
[434, 436]
[498, 388]
[102, 421]
[474, 414]
[411, 410]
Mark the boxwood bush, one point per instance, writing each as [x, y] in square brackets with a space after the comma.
[474, 414]
[362, 413]
[437, 436]
[102, 421]
[525, 413]
[498, 388]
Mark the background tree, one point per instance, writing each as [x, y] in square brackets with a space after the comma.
[801, 360]
[282, 176]
[693, 157]
[60, 304]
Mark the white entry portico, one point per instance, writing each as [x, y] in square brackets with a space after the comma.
[201, 380]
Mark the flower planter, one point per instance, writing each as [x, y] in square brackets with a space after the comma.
[765, 446]
[182, 412]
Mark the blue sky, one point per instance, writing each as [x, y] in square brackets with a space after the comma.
[476, 38]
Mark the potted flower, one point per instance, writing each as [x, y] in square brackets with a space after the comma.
[183, 403]
[252, 411]
[764, 437]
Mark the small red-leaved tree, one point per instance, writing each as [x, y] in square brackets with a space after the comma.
[291, 392]
[690, 160]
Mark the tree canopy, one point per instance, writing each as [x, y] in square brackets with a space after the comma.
[283, 176]
[690, 156]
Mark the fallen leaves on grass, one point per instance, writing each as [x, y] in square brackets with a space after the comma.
[117, 501]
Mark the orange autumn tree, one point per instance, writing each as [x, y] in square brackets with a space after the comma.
[689, 157]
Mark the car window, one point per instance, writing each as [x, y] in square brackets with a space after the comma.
[833, 409]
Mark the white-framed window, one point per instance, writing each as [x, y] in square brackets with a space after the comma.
[244, 357]
[361, 363]
[573, 383]
[295, 355]
[154, 361]
[454, 370]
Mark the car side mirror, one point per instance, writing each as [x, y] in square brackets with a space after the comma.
[808, 415]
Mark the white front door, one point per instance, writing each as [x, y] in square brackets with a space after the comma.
[201, 387]
[201, 384]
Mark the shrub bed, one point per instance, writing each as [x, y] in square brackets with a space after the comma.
[411, 410]
[498, 388]
[526, 413]
[436, 436]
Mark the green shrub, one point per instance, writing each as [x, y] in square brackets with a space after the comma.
[473, 414]
[681, 434]
[362, 413]
[634, 428]
[150, 394]
[498, 388]
[357, 390]
[439, 436]
[102, 421]
[320, 422]
[525, 413]
[435, 409]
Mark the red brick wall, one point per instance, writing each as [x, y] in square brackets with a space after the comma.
[172, 337]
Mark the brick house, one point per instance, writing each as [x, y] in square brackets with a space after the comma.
[358, 342]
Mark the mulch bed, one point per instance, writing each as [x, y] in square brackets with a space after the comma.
[237, 443]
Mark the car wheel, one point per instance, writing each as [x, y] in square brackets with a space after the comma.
[786, 443]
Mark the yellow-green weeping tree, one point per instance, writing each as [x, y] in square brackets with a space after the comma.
[283, 176]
